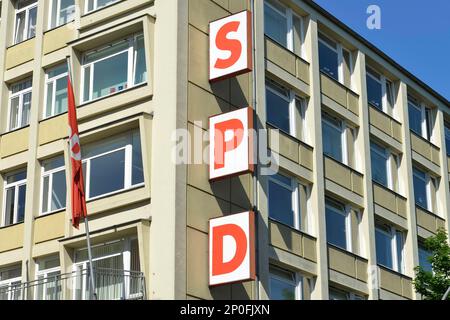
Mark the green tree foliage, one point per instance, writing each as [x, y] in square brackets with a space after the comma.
[433, 285]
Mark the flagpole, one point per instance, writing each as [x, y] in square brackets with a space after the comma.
[92, 293]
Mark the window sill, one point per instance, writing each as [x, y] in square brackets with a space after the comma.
[342, 164]
[343, 86]
[384, 113]
[60, 26]
[388, 190]
[424, 140]
[113, 94]
[14, 130]
[284, 48]
[18, 43]
[114, 193]
[43, 215]
[271, 126]
[11, 225]
[393, 271]
[292, 228]
[345, 251]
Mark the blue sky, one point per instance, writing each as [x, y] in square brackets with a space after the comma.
[415, 33]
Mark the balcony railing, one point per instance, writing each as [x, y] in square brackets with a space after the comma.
[110, 284]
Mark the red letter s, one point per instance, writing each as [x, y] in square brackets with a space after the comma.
[225, 44]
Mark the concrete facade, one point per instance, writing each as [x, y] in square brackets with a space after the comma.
[168, 214]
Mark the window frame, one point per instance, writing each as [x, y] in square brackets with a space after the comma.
[349, 295]
[9, 283]
[393, 234]
[425, 120]
[297, 281]
[95, 6]
[289, 15]
[131, 66]
[128, 170]
[58, 10]
[21, 95]
[15, 185]
[52, 80]
[339, 50]
[427, 180]
[390, 158]
[50, 174]
[342, 128]
[346, 213]
[27, 10]
[45, 273]
[292, 99]
[295, 198]
[447, 137]
[384, 82]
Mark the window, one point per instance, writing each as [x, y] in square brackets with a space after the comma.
[447, 138]
[337, 294]
[115, 266]
[113, 68]
[14, 198]
[334, 60]
[338, 221]
[283, 198]
[284, 284]
[20, 104]
[61, 12]
[10, 283]
[120, 155]
[56, 91]
[389, 246]
[422, 189]
[25, 22]
[334, 141]
[424, 254]
[53, 185]
[48, 276]
[92, 5]
[379, 91]
[420, 118]
[282, 105]
[381, 165]
[282, 25]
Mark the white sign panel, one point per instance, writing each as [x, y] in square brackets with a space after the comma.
[232, 248]
[230, 46]
[231, 144]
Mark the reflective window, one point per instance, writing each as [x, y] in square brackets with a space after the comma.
[20, 104]
[114, 68]
[278, 106]
[336, 221]
[25, 21]
[61, 12]
[380, 165]
[421, 191]
[424, 254]
[14, 198]
[333, 137]
[389, 247]
[53, 185]
[282, 198]
[56, 90]
[328, 57]
[91, 5]
[283, 284]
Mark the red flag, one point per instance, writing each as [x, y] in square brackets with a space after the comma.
[77, 185]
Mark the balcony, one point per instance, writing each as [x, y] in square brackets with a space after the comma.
[110, 285]
[344, 176]
[346, 99]
[394, 282]
[384, 123]
[425, 149]
[428, 220]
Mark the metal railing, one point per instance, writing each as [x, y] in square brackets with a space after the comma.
[110, 284]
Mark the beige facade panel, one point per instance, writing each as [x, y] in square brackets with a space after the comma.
[425, 149]
[197, 272]
[58, 38]
[14, 142]
[292, 241]
[49, 227]
[19, 53]
[11, 237]
[347, 263]
[429, 221]
[343, 176]
[390, 200]
[340, 94]
[385, 123]
[395, 283]
[286, 60]
[53, 129]
[291, 148]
